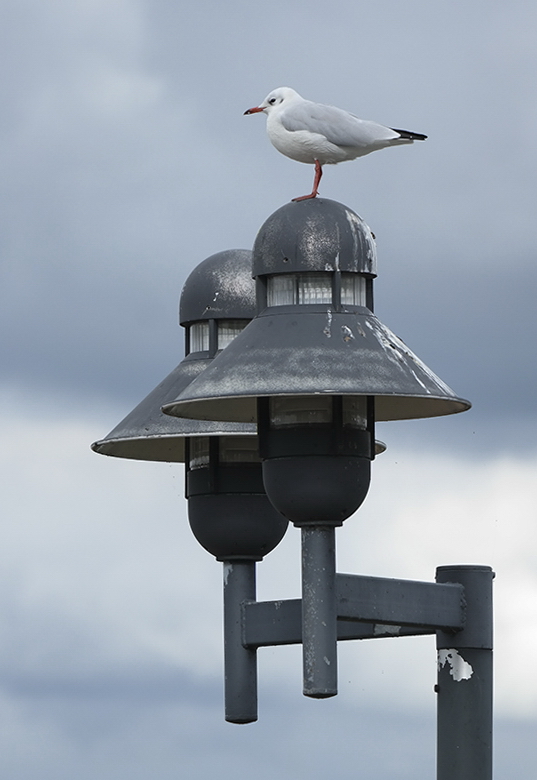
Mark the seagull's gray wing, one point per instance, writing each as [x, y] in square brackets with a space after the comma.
[337, 126]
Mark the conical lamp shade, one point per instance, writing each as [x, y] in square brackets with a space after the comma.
[318, 352]
[220, 288]
[147, 434]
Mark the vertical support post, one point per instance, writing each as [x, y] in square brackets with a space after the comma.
[319, 611]
[465, 681]
[240, 662]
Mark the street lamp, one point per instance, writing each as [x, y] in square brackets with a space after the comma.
[315, 369]
[224, 484]
[229, 512]
[311, 374]
[228, 509]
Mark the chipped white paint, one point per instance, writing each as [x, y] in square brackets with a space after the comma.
[326, 660]
[418, 380]
[393, 347]
[381, 630]
[459, 669]
[228, 568]
[347, 333]
[360, 230]
[214, 300]
[356, 230]
[328, 329]
[333, 266]
[399, 353]
[354, 220]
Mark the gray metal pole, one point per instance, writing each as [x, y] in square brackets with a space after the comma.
[465, 681]
[319, 611]
[240, 663]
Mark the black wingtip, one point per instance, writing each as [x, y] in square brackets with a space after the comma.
[410, 136]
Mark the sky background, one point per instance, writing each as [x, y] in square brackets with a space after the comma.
[125, 161]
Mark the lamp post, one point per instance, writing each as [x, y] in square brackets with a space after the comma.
[315, 369]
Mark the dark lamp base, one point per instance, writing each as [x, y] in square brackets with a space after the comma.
[317, 489]
[234, 526]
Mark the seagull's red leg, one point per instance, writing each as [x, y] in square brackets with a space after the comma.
[316, 180]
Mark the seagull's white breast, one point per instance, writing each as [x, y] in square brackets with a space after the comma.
[303, 145]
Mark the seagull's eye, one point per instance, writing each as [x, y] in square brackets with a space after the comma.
[272, 101]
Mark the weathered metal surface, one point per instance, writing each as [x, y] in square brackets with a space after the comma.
[464, 701]
[240, 663]
[148, 434]
[270, 623]
[464, 726]
[477, 580]
[367, 607]
[400, 602]
[311, 350]
[314, 235]
[220, 287]
[319, 612]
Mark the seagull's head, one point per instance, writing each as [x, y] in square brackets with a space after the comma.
[275, 99]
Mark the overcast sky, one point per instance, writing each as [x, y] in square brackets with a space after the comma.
[125, 161]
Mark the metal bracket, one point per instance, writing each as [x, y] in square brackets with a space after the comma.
[367, 608]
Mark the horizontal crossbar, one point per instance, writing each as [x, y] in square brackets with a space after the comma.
[367, 608]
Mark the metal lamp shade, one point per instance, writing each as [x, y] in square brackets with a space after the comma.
[147, 434]
[219, 288]
[316, 351]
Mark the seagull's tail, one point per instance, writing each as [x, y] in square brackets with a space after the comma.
[408, 136]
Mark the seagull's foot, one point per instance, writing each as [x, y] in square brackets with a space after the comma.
[305, 197]
[316, 182]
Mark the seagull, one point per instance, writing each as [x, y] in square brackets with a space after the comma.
[323, 135]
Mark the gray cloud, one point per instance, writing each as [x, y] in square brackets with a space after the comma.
[124, 161]
[123, 169]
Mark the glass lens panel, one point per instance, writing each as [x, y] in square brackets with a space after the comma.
[302, 410]
[228, 329]
[239, 449]
[315, 288]
[199, 337]
[352, 290]
[281, 290]
[199, 452]
[355, 411]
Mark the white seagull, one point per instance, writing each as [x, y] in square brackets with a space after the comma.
[323, 135]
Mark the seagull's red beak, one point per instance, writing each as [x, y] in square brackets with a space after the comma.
[255, 110]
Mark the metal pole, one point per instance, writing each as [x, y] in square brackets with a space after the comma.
[240, 663]
[465, 681]
[319, 611]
